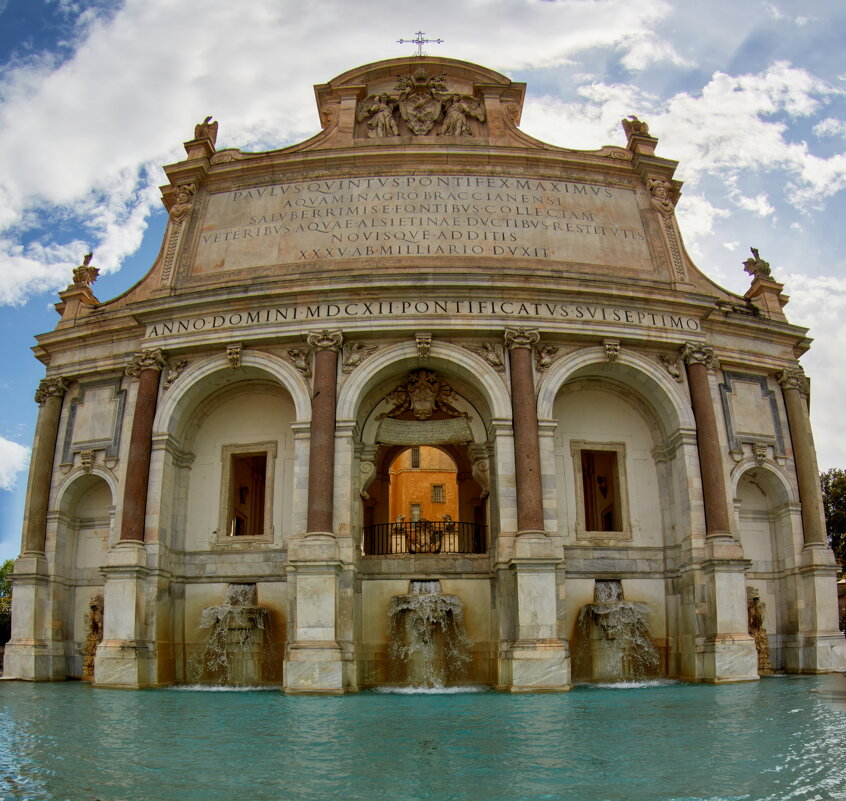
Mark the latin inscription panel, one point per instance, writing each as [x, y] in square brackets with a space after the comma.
[441, 217]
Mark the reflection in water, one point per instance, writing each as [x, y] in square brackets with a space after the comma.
[667, 741]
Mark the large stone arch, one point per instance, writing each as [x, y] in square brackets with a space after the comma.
[644, 376]
[214, 372]
[442, 356]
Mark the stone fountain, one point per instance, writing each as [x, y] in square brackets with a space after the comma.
[235, 644]
[428, 645]
[614, 642]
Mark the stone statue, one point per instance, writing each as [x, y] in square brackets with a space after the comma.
[756, 266]
[206, 130]
[94, 621]
[85, 274]
[660, 191]
[632, 125]
[457, 109]
[380, 109]
[755, 610]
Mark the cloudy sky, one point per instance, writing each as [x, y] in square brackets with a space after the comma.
[95, 95]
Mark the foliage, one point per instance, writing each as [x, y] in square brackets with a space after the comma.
[6, 589]
[834, 502]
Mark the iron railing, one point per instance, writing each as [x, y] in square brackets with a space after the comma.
[424, 537]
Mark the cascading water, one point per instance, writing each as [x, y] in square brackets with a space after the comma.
[428, 645]
[235, 644]
[614, 642]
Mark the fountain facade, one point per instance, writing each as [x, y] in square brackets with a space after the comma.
[428, 645]
[613, 638]
[235, 644]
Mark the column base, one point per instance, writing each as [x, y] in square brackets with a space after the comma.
[124, 665]
[727, 659]
[29, 660]
[314, 669]
[536, 666]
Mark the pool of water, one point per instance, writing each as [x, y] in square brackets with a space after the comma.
[780, 738]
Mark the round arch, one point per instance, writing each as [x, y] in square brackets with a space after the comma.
[213, 372]
[79, 481]
[442, 356]
[647, 378]
[769, 477]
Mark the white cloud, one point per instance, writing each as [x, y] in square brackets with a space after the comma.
[830, 127]
[14, 459]
[759, 204]
[83, 138]
[820, 303]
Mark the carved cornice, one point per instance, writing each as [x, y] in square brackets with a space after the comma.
[521, 337]
[695, 353]
[794, 378]
[153, 359]
[54, 387]
[325, 340]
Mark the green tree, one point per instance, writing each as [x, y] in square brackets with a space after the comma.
[834, 502]
[6, 599]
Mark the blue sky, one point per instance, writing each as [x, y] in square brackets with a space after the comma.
[95, 95]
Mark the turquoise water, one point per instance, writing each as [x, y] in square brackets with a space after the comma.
[780, 738]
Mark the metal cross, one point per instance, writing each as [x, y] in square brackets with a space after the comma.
[420, 41]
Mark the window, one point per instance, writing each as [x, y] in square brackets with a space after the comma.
[415, 512]
[415, 458]
[246, 497]
[438, 493]
[602, 505]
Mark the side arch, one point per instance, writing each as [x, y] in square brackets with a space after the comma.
[194, 385]
[647, 378]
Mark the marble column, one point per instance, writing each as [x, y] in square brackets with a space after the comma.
[49, 395]
[820, 645]
[535, 657]
[146, 367]
[31, 653]
[520, 342]
[314, 660]
[699, 359]
[794, 385]
[321, 460]
[724, 651]
[126, 658]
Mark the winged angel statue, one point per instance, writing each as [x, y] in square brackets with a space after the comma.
[422, 100]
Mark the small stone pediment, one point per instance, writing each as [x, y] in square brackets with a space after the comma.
[419, 99]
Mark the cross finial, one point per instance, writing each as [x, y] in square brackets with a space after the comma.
[420, 40]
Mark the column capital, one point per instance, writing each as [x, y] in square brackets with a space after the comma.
[697, 353]
[521, 337]
[51, 387]
[794, 378]
[325, 340]
[153, 359]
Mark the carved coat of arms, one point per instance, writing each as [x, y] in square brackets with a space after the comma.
[420, 102]
[423, 396]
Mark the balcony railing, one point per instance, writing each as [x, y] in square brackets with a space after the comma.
[424, 537]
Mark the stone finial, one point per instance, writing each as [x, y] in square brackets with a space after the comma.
[206, 130]
[153, 359]
[544, 356]
[301, 359]
[424, 344]
[794, 378]
[632, 125]
[233, 354]
[695, 353]
[325, 339]
[52, 387]
[756, 266]
[521, 337]
[612, 350]
[85, 274]
[184, 202]
[354, 354]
